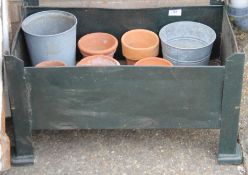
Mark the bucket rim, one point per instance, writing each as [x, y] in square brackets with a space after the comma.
[198, 61]
[196, 48]
[48, 11]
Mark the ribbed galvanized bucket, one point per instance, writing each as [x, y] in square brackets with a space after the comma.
[51, 35]
[187, 43]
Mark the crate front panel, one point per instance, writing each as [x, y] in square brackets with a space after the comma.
[125, 97]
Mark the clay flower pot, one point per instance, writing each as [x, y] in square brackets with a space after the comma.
[51, 63]
[138, 44]
[154, 61]
[98, 60]
[97, 44]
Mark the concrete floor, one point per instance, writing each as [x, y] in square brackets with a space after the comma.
[242, 38]
[169, 152]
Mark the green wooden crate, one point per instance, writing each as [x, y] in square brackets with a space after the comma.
[128, 97]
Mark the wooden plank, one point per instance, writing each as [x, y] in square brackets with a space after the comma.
[229, 44]
[123, 3]
[20, 112]
[31, 2]
[229, 149]
[125, 97]
[118, 3]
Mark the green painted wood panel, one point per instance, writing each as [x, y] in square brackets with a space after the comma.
[36, 2]
[229, 150]
[229, 44]
[30, 2]
[20, 113]
[125, 97]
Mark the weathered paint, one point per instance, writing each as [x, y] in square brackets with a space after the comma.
[229, 150]
[125, 97]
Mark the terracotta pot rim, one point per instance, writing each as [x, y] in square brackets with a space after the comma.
[117, 63]
[154, 58]
[95, 52]
[40, 65]
[140, 30]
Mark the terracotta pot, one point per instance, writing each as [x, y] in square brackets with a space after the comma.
[138, 44]
[98, 60]
[51, 63]
[97, 44]
[154, 61]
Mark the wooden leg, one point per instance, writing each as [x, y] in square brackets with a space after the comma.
[229, 149]
[20, 111]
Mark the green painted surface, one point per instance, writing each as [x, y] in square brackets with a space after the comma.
[36, 2]
[19, 106]
[125, 97]
[229, 44]
[216, 2]
[130, 97]
[229, 150]
[30, 2]
[231, 107]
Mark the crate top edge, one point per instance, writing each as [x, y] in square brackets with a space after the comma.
[129, 67]
[170, 4]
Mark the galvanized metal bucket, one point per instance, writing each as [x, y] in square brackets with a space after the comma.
[187, 43]
[51, 35]
[240, 16]
[203, 62]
